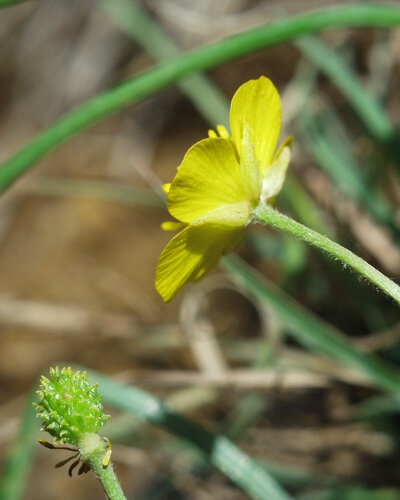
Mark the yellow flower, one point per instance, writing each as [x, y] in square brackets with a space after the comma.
[218, 184]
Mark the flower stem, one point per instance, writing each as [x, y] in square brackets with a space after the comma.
[93, 449]
[277, 220]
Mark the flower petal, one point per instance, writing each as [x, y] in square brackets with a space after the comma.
[257, 105]
[210, 178]
[287, 142]
[275, 175]
[231, 240]
[192, 253]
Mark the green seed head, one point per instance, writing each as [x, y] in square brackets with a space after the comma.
[69, 406]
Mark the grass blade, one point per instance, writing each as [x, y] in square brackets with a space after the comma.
[327, 146]
[20, 457]
[352, 493]
[149, 82]
[310, 331]
[134, 21]
[368, 109]
[220, 452]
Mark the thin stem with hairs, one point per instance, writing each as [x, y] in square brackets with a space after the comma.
[275, 219]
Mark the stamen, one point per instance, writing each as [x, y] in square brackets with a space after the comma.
[222, 131]
[107, 456]
[212, 134]
[171, 225]
[50, 446]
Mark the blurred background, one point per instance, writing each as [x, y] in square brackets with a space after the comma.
[80, 237]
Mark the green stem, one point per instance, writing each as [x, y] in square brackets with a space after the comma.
[277, 220]
[92, 449]
[152, 81]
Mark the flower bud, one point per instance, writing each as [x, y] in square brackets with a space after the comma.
[69, 406]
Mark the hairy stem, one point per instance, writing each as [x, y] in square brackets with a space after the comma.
[93, 449]
[277, 220]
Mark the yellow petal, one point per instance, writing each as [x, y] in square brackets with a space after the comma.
[231, 241]
[210, 178]
[249, 164]
[257, 105]
[192, 253]
[275, 175]
[170, 225]
[287, 142]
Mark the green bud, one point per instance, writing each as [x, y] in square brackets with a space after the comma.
[69, 406]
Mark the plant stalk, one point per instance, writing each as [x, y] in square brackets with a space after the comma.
[272, 217]
[93, 449]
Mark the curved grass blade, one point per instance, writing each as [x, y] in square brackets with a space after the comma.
[147, 83]
[218, 450]
[133, 20]
[311, 331]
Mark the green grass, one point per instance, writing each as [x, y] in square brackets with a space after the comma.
[146, 84]
[310, 331]
[20, 457]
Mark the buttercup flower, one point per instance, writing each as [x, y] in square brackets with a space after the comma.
[219, 183]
